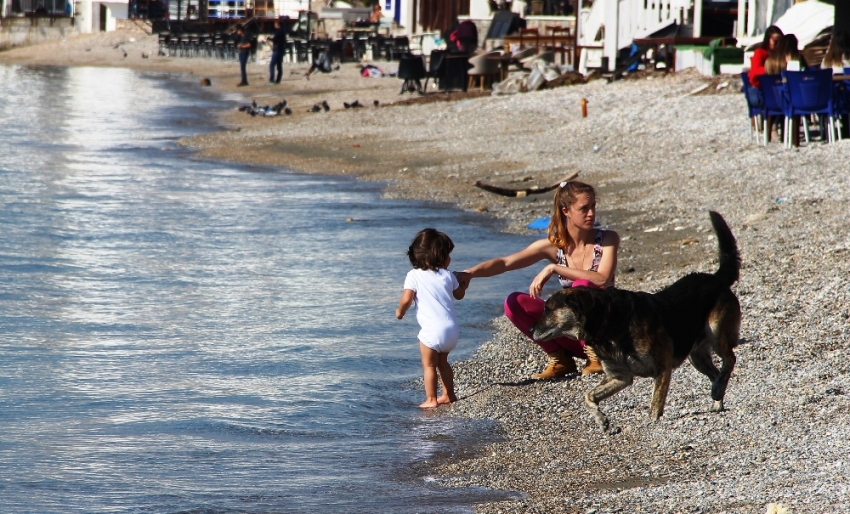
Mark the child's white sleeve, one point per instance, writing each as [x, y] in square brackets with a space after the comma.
[410, 281]
[455, 283]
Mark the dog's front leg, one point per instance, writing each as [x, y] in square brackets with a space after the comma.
[659, 393]
[609, 386]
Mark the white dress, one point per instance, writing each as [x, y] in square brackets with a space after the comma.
[435, 307]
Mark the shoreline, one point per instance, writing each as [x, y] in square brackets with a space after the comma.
[660, 157]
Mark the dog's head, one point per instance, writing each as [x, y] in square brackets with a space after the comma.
[565, 314]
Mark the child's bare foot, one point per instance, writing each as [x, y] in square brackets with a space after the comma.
[429, 404]
[443, 400]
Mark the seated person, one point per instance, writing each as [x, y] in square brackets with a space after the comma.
[376, 15]
[772, 36]
[786, 52]
[837, 53]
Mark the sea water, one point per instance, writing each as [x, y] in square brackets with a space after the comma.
[181, 335]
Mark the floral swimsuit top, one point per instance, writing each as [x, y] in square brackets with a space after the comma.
[594, 266]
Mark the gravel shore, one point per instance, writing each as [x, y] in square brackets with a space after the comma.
[661, 155]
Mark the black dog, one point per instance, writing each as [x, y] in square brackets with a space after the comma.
[650, 335]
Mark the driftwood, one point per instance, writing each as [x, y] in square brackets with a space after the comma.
[520, 193]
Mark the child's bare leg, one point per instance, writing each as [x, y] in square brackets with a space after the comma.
[430, 361]
[447, 377]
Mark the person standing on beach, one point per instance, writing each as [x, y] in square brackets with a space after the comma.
[431, 286]
[244, 47]
[580, 254]
[278, 49]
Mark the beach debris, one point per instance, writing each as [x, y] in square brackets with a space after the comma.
[722, 85]
[325, 106]
[353, 105]
[206, 82]
[595, 148]
[376, 103]
[699, 89]
[266, 110]
[125, 55]
[145, 55]
[584, 107]
[521, 193]
[287, 111]
[776, 508]
[539, 224]
[315, 108]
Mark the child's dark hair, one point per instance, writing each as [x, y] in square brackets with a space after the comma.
[429, 249]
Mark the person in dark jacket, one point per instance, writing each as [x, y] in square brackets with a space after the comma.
[244, 47]
[278, 49]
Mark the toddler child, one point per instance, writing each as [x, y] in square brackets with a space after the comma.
[431, 286]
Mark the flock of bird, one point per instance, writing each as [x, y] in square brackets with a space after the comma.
[281, 108]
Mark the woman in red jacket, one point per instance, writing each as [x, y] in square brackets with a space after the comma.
[771, 39]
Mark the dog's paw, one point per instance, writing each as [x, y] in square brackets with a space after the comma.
[717, 406]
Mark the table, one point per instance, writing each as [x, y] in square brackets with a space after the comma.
[505, 61]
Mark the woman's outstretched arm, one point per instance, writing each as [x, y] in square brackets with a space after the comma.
[535, 252]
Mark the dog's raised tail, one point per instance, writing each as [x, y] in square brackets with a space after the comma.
[730, 259]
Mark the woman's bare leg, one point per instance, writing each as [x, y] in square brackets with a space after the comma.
[430, 362]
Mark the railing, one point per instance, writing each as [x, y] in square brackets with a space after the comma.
[641, 18]
[51, 8]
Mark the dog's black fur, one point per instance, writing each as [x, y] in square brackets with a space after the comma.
[650, 335]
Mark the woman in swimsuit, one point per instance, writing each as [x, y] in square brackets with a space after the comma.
[581, 256]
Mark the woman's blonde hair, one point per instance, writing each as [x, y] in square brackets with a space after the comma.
[565, 197]
[836, 52]
[777, 61]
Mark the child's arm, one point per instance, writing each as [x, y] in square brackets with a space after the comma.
[406, 301]
[462, 283]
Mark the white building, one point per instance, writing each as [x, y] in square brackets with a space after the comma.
[99, 16]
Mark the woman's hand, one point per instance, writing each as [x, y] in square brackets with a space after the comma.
[463, 278]
[540, 281]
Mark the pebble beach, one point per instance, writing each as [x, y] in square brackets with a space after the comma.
[662, 151]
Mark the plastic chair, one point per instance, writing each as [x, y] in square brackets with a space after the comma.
[411, 69]
[482, 68]
[754, 105]
[809, 92]
[773, 97]
[435, 66]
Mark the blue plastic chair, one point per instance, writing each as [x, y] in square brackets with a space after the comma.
[754, 103]
[809, 92]
[773, 102]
